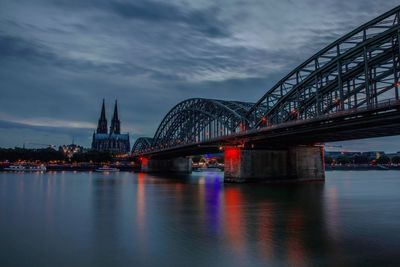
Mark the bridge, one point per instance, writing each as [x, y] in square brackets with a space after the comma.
[348, 90]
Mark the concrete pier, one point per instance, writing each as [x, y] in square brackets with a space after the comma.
[180, 165]
[299, 163]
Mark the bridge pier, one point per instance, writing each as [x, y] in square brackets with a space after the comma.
[180, 165]
[297, 163]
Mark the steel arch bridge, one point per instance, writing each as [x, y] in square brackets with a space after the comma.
[196, 120]
[358, 72]
[142, 144]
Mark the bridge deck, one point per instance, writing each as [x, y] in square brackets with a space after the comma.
[382, 119]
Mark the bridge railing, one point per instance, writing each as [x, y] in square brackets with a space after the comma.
[380, 105]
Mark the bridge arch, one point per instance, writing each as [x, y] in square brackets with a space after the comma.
[200, 119]
[142, 144]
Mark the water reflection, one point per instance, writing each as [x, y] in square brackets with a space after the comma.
[142, 220]
[270, 223]
[295, 245]
[106, 201]
[234, 219]
[210, 201]
[265, 230]
[141, 204]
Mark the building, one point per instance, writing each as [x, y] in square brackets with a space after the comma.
[337, 154]
[70, 150]
[112, 141]
[373, 155]
[392, 155]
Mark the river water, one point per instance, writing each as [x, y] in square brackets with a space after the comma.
[126, 219]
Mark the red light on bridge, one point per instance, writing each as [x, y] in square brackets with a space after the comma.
[242, 127]
[264, 120]
[397, 84]
[294, 113]
[232, 151]
[144, 160]
[232, 156]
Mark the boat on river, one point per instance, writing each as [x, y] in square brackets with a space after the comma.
[107, 169]
[26, 168]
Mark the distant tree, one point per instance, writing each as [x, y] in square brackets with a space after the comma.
[196, 159]
[383, 160]
[360, 159]
[343, 160]
[396, 160]
[92, 156]
[328, 160]
[42, 155]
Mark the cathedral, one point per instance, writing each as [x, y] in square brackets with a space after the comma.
[113, 141]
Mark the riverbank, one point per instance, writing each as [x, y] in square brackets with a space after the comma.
[136, 169]
[361, 167]
[82, 167]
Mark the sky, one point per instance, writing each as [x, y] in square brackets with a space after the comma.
[60, 58]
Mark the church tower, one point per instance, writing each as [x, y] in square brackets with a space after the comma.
[102, 125]
[115, 127]
[112, 141]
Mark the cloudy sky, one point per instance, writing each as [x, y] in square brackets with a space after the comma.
[60, 58]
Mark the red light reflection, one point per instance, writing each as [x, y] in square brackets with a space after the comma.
[234, 219]
[296, 251]
[265, 230]
[141, 202]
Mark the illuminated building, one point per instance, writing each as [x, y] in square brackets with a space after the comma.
[70, 150]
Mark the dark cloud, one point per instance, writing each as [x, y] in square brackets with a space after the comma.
[31, 136]
[32, 52]
[205, 21]
[7, 125]
[17, 47]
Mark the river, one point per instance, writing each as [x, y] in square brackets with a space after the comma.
[127, 219]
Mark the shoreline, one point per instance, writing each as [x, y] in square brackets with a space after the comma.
[361, 168]
[91, 168]
[135, 169]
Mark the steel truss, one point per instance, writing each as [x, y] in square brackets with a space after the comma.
[142, 144]
[197, 120]
[360, 69]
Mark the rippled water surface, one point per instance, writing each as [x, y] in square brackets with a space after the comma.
[126, 219]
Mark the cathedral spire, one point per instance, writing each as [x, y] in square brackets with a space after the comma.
[102, 125]
[115, 123]
[103, 112]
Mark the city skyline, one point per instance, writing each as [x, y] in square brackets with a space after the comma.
[206, 51]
